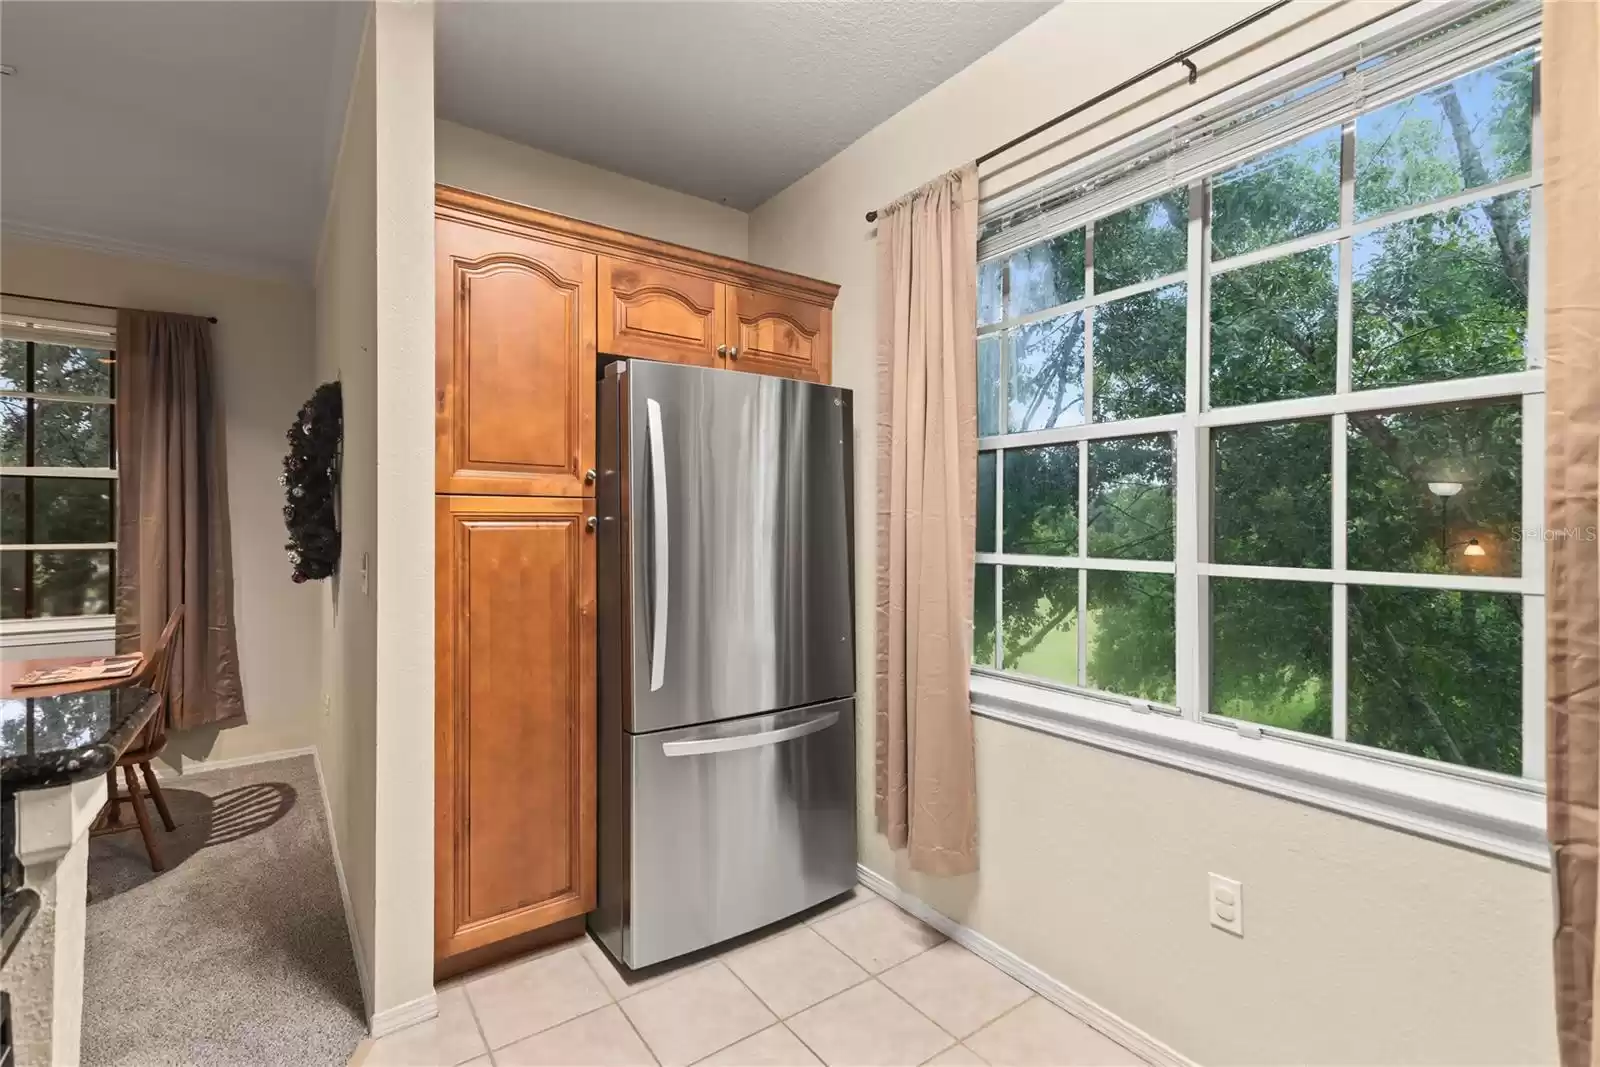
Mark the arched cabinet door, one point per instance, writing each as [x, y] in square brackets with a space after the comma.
[656, 313]
[515, 370]
[781, 335]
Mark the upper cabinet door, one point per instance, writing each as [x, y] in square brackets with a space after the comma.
[779, 335]
[657, 313]
[516, 364]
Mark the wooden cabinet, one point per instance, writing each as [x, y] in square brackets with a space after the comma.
[516, 363]
[653, 312]
[657, 313]
[515, 743]
[776, 334]
[526, 302]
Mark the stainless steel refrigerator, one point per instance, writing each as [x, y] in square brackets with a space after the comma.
[726, 655]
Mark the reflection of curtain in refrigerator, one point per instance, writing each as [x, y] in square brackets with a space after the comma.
[927, 517]
[1571, 115]
[746, 554]
[766, 542]
[694, 499]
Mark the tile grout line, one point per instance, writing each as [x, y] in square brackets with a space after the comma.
[472, 1010]
[535, 957]
[803, 1043]
[920, 1014]
[719, 958]
[648, 1051]
[737, 977]
[1011, 1010]
[598, 977]
[865, 896]
[616, 1002]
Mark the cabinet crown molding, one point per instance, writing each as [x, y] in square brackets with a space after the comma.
[467, 206]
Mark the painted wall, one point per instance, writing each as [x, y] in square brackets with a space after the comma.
[1363, 944]
[482, 162]
[346, 322]
[402, 973]
[375, 329]
[264, 347]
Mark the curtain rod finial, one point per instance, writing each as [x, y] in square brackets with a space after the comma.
[872, 216]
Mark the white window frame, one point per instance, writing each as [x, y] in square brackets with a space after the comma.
[1486, 811]
[65, 629]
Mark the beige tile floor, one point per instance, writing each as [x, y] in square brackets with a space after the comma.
[860, 983]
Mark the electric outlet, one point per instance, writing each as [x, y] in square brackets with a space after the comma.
[364, 564]
[1226, 905]
[327, 706]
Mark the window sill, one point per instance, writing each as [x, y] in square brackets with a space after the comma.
[1498, 820]
[72, 630]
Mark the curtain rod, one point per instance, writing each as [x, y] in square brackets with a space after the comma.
[80, 303]
[1149, 72]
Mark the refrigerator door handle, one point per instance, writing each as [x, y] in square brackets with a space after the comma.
[659, 577]
[755, 740]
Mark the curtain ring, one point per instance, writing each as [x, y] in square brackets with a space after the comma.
[1194, 72]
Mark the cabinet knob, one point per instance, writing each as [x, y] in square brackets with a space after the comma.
[733, 353]
[722, 350]
[588, 475]
[590, 523]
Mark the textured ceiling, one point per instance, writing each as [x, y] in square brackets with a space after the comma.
[198, 131]
[728, 101]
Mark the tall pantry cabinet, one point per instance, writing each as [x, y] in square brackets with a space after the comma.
[527, 303]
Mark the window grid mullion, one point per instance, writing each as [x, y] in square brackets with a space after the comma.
[28, 596]
[1339, 665]
[999, 546]
[116, 487]
[1003, 420]
[1088, 337]
[1191, 543]
[1533, 635]
[1533, 466]
[999, 617]
[1083, 551]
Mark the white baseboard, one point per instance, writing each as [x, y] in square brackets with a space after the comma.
[404, 1015]
[362, 974]
[198, 766]
[1121, 1031]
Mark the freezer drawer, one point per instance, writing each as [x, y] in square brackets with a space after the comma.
[735, 825]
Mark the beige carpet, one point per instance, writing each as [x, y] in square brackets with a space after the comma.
[238, 953]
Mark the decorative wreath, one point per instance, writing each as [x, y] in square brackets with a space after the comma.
[311, 478]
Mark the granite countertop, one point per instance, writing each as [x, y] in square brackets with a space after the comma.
[50, 741]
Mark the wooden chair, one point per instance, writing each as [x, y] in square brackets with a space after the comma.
[150, 742]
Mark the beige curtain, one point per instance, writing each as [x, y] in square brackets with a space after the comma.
[1571, 109]
[927, 502]
[172, 517]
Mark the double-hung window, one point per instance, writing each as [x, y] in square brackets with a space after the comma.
[1261, 410]
[57, 469]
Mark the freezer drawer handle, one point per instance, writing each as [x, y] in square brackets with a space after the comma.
[741, 741]
[658, 535]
